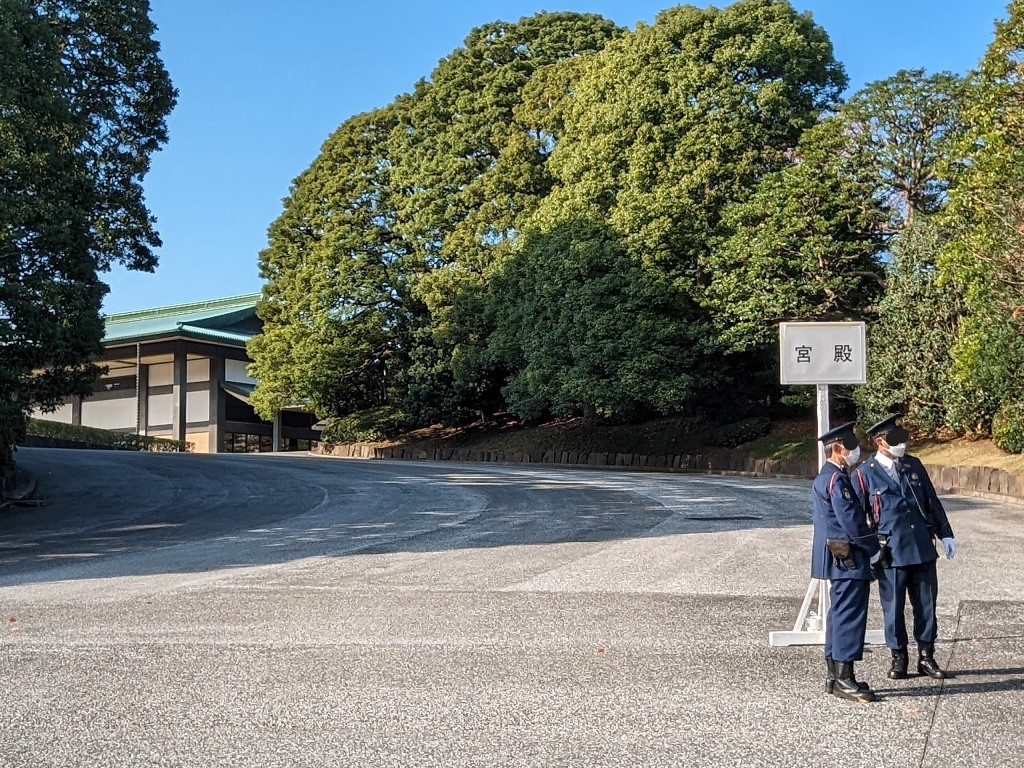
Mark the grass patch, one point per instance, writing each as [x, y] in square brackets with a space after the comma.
[781, 447]
[968, 453]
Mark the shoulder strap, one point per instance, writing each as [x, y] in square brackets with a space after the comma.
[860, 479]
[832, 482]
[875, 505]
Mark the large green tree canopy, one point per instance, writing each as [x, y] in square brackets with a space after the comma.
[387, 239]
[985, 258]
[337, 303]
[570, 218]
[803, 247]
[668, 127]
[83, 98]
[672, 122]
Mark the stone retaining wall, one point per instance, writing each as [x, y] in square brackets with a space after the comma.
[726, 461]
[976, 480]
[982, 480]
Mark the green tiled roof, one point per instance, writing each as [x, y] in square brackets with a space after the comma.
[218, 320]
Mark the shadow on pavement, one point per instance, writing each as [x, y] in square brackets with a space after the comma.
[104, 510]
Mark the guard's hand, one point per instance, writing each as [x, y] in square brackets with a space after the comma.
[949, 545]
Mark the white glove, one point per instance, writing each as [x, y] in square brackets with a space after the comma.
[949, 545]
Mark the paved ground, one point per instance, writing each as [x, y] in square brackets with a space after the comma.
[167, 610]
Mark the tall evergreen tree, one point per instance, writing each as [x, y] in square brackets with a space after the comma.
[904, 131]
[909, 346]
[480, 133]
[337, 306]
[83, 97]
[804, 246]
[666, 128]
[985, 258]
[377, 266]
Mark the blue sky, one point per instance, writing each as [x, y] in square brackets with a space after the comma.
[263, 83]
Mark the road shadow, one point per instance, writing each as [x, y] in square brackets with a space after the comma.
[105, 511]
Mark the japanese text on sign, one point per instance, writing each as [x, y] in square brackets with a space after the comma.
[822, 353]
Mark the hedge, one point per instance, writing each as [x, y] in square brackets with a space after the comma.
[106, 438]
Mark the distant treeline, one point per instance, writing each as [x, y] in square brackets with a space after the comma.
[571, 218]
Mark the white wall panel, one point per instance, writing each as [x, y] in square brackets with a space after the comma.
[161, 409]
[63, 414]
[197, 406]
[198, 370]
[161, 375]
[109, 414]
[234, 370]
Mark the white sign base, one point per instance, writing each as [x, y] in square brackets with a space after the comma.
[812, 619]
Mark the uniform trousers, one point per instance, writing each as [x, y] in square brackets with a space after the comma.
[847, 619]
[921, 584]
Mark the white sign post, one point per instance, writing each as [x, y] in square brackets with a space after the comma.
[820, 354]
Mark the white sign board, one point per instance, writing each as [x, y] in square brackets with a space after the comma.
[823, 353]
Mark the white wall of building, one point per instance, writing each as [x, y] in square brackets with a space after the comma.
[197, 406]
[234, 370]
[109, 414]
[198, 370]
[161, 409]
[161, 375]
[62, 414]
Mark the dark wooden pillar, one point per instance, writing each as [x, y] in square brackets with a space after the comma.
[217, 416]
[142, 399]
[180, 393]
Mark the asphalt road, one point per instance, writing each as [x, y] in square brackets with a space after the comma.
[179, 610]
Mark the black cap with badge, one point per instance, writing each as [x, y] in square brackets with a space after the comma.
[842, 434]
[893, 434]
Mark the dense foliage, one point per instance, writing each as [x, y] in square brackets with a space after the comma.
[568, 218]
[83, 98]
[985, 259]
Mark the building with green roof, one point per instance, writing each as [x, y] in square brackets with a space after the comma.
[182, 372]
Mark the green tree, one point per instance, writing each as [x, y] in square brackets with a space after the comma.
[677, 120]
[909, 361]
[904, 132]
[985, 258]
[587, 330]
[665, 129]
[804, 246]
[478, 138]
[117, 84]
[337, 306]
[83, 98]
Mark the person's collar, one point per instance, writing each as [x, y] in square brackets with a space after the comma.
[838, 464]
[884, 460]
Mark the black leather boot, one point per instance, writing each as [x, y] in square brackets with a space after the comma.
[847, 687]
[926, 663]
[900, 662]
[830, 676]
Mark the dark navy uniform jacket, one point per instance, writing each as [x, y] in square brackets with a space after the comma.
[903, 511]
[839, 515]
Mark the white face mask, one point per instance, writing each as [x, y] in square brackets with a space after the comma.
[853, 457]
[898, 450]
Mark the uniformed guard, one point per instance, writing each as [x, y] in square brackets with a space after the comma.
[842, 550]
[896, 491]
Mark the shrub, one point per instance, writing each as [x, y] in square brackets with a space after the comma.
[739, 432]
[368, 426]
[1008, 426]
[104, 437]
